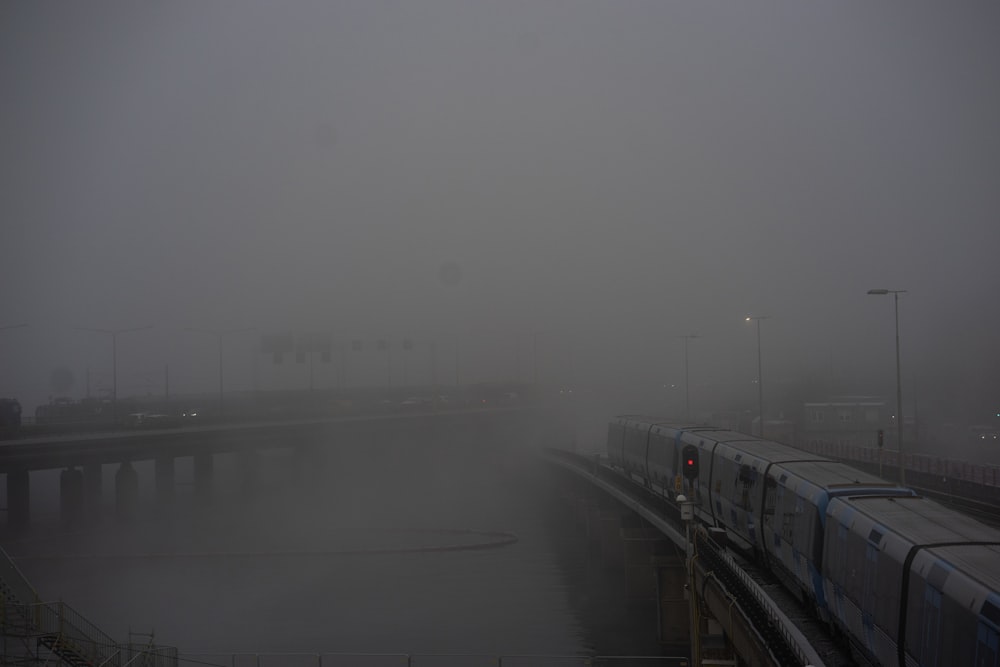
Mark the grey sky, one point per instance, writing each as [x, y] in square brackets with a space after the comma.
[610, 174]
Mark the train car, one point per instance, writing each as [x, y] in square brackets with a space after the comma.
[797, 494]
[735, 481]
[641, 446]
[902, 574]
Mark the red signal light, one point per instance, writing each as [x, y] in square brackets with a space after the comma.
[690, 462]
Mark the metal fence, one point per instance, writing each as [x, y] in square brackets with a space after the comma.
[421, 660]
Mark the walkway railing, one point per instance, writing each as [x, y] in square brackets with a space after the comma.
[421, 660]
[54, 628]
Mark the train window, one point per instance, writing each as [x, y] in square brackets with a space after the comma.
[816, 538]
[930, 649]
[871, 576]
[788, 526]
[770, 495]
[987, 643]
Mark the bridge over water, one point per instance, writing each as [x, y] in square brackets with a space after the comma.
[740, 613]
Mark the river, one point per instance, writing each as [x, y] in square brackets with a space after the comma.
[453, 545]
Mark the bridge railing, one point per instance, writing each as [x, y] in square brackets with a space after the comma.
[422, 660]
[777, 621]
[975, 473]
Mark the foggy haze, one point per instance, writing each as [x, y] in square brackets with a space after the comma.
[607, 177]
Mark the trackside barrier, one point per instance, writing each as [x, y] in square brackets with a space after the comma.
[422, 660]
[793, 637]
[982, 474]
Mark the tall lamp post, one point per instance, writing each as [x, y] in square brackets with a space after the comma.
[114, 361]
[760, 377]
[899, 386]
[219, 333]
[687, 395]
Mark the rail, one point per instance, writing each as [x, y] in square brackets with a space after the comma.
[782, 638]
[423, 660]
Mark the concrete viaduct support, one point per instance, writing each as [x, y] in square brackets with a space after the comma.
[71, 497]
[126, 491]
[93, 489]
[18, 499]
[164, 474]
[204, 465]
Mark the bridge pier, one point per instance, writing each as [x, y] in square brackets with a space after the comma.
[164, 474]
[93, 489]
[600, 523]
[249, 464]
[673, 608]
[18, 500]
[71, 503]
[641, 549]
[608, 526]
[126, 491]
[204, 465]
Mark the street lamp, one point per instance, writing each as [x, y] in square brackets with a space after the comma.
[760, 378]
[114, 362]
[687, 396]
[899, 386]
[219, 333]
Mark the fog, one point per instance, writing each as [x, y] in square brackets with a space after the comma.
[550, 190]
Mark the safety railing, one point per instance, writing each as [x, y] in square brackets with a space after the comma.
[148, 655]
[975, 473]
[421, 660]
[14, 586]
[777, 620]
[64, 630]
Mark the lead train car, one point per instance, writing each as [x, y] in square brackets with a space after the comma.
[913, 582]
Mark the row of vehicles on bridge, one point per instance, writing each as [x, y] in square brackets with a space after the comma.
[906, 580]
[63, 414]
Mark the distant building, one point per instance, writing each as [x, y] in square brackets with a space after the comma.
[848, 421]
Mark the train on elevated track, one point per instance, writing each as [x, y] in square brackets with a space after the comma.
[904, 579]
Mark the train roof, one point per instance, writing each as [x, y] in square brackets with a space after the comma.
[967, 544]
[769, 450]
[833, 475]
[923, 521]
[980, 562]
[647, 420]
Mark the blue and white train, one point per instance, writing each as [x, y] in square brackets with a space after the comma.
[908, 581]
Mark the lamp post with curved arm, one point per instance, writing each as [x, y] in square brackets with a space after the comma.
[899, 386]
[114, 361]
[760, 377]
[219, 333]
[687, 394]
